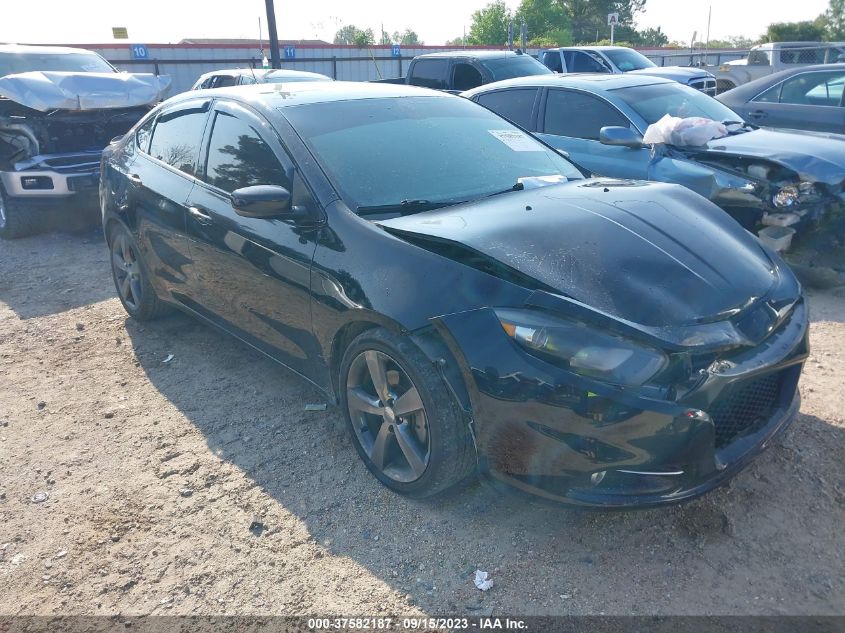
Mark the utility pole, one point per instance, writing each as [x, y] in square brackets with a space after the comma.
[275, 58]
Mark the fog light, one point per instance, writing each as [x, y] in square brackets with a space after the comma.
[36, 182]
[596, 478]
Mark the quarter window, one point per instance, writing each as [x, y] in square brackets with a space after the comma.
[142, 136]
[514, 105]
[177, 137]
[579, 115]
[239, 157]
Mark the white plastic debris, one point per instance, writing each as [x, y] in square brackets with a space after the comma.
[694, 131]
[168, 359]
[40, 497]
[315, 407]
[482, 580]
[781, 219]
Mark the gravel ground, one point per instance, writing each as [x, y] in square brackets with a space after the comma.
[202, 486]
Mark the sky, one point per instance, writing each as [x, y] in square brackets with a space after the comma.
[435, 21]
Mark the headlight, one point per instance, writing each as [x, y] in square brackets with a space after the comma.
[786, 197]
[583, 349]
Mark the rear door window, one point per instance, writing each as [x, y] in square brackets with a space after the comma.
[465, 76]
[579, 115]
[430, 73]
[177, 137]
[514, 105]
[552, 61]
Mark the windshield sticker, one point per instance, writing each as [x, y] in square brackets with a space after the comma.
[517, 141]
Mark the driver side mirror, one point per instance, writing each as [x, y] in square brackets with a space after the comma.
[622, 136]
[262, 201]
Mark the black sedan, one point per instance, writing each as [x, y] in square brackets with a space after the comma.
[804, 98]
[470, 300]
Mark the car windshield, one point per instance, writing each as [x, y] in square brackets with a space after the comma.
[437, 150]
[653, 102]
[13, 63]
[514, 66]
[626, 59]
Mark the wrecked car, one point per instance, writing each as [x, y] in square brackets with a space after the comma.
[467, 297]
[59, 107]
[759, 176]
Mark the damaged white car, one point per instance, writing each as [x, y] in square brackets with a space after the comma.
[59, 107]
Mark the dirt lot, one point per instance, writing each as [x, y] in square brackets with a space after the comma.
[158, 473]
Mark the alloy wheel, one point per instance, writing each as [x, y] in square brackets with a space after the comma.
[388, 416]
[127, 271]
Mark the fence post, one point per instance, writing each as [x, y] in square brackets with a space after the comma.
[399, 59]
[155, 63]
[334, 66]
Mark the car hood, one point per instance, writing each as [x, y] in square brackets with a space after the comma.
[45, 91]
[648, 253]
[682, 73]
[814, 156]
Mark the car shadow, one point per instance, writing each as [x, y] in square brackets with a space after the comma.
[544, 559]
[53, 272]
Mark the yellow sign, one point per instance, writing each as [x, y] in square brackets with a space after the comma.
[119, 33]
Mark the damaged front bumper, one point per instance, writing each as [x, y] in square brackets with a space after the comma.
[561, 436]
[54, 176]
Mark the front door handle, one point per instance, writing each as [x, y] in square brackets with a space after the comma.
[200, 216]
[135, 179]
[757, 114]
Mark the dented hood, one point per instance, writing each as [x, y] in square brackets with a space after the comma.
[45, 91]
[814, 156]
[649, 253]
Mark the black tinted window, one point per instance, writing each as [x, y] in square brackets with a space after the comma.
[552, 60]
[177, 137]
[514, 66]
[142, 136]
[465, 76]
[430, 73]
[514, 105]
[585, 63]
[238, 157]
[579, 115]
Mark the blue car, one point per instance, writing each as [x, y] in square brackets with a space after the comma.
[599, 121]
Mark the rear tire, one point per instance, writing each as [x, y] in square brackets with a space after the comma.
[131, 279]
[405, 424]
[17, 218]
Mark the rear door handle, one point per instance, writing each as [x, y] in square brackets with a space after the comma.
[757, 114]
[200, 216]
[135, 179]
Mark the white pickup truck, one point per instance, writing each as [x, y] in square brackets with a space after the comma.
[766, 59]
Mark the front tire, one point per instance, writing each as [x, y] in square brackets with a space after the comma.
[17, 218]
[404, 423]
[131, 279]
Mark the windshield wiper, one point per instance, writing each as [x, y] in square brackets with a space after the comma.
[515, 187]
[405, 207]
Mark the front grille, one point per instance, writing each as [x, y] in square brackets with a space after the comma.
[746, 409]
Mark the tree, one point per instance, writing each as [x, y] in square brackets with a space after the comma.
[807, 31]
[544, 19]
[588, 17]
[351, 34]
[833, 21]
[652, 37]
[407, 38]
[490, 24]
[458, 41]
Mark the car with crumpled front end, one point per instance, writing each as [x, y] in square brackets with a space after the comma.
[600, 120]
[468, 298]
[59, 107]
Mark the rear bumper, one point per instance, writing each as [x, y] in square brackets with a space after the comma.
[54, 176]
[562, 437]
